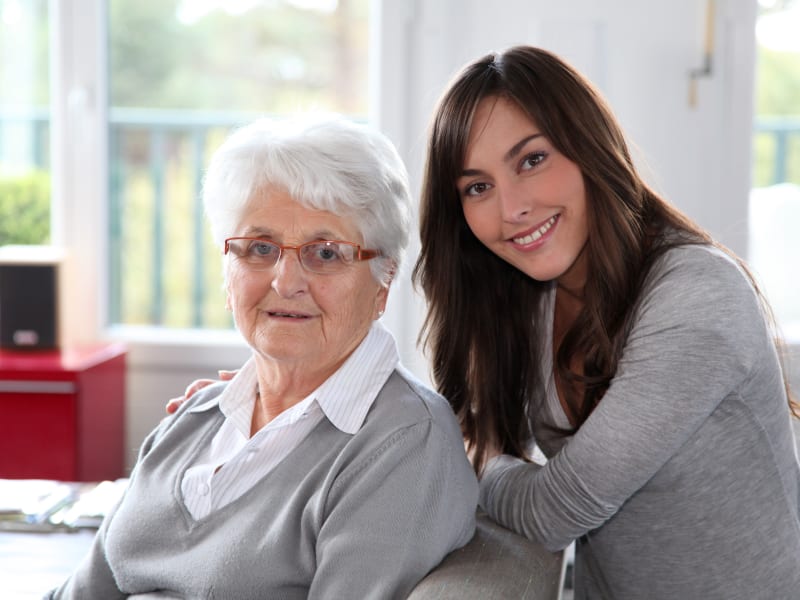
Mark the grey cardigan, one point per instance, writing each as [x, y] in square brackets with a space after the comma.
[684, 481]
[343, 516]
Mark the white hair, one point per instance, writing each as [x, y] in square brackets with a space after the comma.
[325, 162]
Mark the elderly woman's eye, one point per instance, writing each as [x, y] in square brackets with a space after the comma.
[328, 253]
[260, 249]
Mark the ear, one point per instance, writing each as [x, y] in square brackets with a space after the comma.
[380, 299]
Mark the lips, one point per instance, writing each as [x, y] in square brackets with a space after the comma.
[537, 233]
[287, 315]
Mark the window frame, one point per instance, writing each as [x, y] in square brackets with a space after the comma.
[80, 189]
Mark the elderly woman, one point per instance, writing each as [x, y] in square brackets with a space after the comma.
[323, 469]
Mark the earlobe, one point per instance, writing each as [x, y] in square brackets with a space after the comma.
[383, 295]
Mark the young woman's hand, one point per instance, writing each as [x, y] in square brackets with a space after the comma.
[194, 387]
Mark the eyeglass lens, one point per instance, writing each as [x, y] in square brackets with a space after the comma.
[317, 257]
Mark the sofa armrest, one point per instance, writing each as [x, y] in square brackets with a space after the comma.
[496, 563]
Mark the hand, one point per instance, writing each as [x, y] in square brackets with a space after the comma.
[194, 387]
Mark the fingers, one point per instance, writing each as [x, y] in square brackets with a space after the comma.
[227, 375]
[198, 384]
[174, 404]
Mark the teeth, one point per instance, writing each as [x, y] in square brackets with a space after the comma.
[532, 237]
[279, 314]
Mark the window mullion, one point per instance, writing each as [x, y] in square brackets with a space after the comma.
[79, 162]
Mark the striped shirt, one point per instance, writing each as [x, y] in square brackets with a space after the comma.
[240, 461]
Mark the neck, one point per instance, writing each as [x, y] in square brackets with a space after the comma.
[278, 390]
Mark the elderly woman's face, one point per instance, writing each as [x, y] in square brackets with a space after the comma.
[290, 316]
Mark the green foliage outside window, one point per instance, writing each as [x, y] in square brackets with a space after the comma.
[25, 209]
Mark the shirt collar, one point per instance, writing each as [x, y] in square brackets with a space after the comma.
[237, 399]
[345, 397]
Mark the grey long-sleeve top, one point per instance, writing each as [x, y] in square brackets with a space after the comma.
[684, 481]
[362, 515]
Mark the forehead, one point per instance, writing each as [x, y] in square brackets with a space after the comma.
[499, 121]
[274, 213]
[498, 114]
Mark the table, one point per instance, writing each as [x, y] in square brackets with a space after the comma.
[33, 563]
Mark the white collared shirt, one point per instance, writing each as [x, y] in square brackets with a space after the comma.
[344, 399]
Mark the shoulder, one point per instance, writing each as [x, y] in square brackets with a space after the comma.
[203, 403]
[699, 276]
[406, 418]
[405, 400]
[699, 263]
[699, 295]
[411, 432]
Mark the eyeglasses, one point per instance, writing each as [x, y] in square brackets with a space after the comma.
[325, 257]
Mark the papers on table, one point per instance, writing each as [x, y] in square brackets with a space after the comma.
[43, 505]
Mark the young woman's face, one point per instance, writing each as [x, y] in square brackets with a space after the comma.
[522, 198]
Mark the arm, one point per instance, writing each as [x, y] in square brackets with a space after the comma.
[691, 345]
[394, 516]
[93, 578]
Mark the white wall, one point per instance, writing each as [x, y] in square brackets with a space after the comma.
[640, 55]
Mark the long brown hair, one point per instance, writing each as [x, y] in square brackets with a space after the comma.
[480, 328]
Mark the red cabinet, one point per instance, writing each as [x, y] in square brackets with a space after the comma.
[62, 413]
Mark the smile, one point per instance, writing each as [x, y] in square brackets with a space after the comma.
[538, 233]
[287, 315]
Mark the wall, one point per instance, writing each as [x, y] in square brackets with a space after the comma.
[638, 53]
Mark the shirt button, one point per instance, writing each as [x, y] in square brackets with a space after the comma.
[203, 489]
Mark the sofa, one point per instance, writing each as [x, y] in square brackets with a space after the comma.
[496, 563]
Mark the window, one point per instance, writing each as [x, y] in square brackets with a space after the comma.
[181, 75]
[775, 199]
[24, 122]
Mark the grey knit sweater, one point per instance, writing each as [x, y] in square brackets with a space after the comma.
[343, 516]
[684, 482]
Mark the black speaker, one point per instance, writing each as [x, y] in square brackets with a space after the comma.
[28, 298]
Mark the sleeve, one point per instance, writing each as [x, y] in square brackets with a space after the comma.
[93, 578]
[692, 344]
[396, 516]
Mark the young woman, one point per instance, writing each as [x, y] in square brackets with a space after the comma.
[573, 309]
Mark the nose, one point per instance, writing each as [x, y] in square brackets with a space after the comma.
[515, 203]
[288, 275]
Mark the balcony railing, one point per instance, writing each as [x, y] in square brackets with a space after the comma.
[781, 136]
[162, 154]
[163, 269]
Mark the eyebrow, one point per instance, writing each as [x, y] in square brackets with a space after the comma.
[510, 155]
[322, 234]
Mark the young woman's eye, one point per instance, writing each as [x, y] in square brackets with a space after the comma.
[531, 160]
[476, 189]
